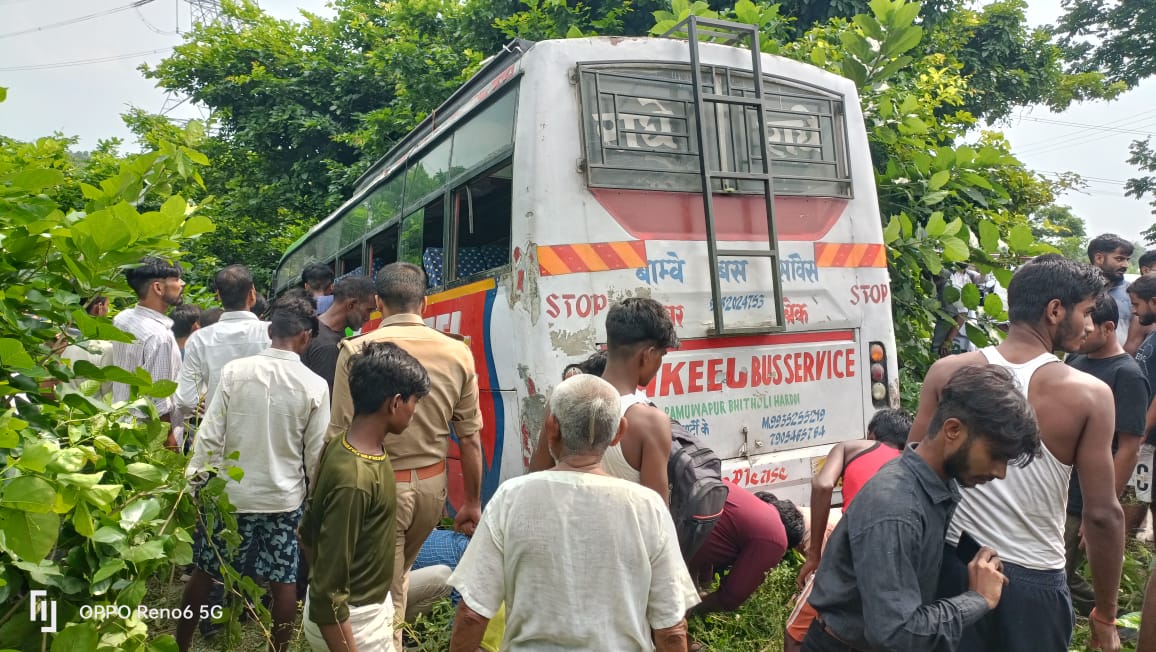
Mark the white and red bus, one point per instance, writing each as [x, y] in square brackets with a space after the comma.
[567, 175]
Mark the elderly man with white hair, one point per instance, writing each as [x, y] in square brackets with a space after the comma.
[582, 560]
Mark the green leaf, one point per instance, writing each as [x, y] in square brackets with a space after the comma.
[154, 549]
[856, 45]
[36, 179]
[12, 354]
[978, 336]
[906, 225]
[165, 643]
[1004, 276]
[938, 179]
[988, 236]
[1020, 238]
[82, 636]
[573, 32]
[933, 198]
[106, 444]
[138, 511]
[28, 493]
[95, 328]
[108, 534]
[932, 260]
[854, 71]
[198, 224]
[147, 473]
[235, 473]
[902, 41]
[102, 495]
[83, 480]
[905, 15]
[882, 9]
[3, 93]
[935, 225]
[109, 568]
[912, 125]
[891, 232]
[953, 227]
[31, 536]
[819, 57]
[68, 460]
[891, 68]
[955, 250]
[159, 389]
[969, 295]
[869, 25]
[909, 105]
[133, 593]
[37, 455]
[82, 521]
[993, 306]
[181, 554]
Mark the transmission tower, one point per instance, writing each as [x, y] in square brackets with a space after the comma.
[201, 12]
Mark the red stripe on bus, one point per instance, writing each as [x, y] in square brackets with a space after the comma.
[876, 256]
[766, 340]
[567, 255]
[843, 254]
[606, 252]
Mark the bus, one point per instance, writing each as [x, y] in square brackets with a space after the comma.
[566, 175]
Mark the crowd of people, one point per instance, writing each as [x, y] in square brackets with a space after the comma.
[963, 528]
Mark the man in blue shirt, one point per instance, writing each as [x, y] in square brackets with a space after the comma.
[1112, 255]
[429, 577]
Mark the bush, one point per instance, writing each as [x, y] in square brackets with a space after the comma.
[91, 503]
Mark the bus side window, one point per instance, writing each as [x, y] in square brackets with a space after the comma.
[421, 241]
[482, 211]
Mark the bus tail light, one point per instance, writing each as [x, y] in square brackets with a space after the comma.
[878, 356]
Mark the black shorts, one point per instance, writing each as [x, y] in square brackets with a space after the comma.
[1034, 612]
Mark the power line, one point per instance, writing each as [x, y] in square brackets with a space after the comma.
[1052, 145]
[1082, 125]
[1118, 182]
[154, 28]
[1111, 123]
[83, 62]
[78, 19]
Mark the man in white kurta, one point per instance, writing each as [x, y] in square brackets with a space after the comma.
[582, 560]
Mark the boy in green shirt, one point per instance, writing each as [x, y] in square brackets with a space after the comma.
[353, 510]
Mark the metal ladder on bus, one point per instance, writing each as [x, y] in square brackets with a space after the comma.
[729, 33]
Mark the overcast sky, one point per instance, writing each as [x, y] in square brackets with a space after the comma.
[54, 85]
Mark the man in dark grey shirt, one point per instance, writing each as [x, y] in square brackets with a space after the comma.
[875, 587]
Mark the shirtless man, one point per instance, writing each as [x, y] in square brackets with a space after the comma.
[1022, 517]
[638, 334]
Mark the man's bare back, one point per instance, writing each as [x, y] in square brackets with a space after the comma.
[1064, 399]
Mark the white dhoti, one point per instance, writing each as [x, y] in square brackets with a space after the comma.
[372, 627]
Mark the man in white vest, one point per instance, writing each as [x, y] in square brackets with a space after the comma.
[1022, 517]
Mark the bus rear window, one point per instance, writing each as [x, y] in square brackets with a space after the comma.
[639, 131]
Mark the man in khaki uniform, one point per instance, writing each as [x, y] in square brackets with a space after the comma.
[418, 455]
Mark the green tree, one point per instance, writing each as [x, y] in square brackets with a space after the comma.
[302, 108]
[1114, 38]
[1144, 186]
[1058, 226]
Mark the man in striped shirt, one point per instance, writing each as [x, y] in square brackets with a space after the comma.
[158, 286]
